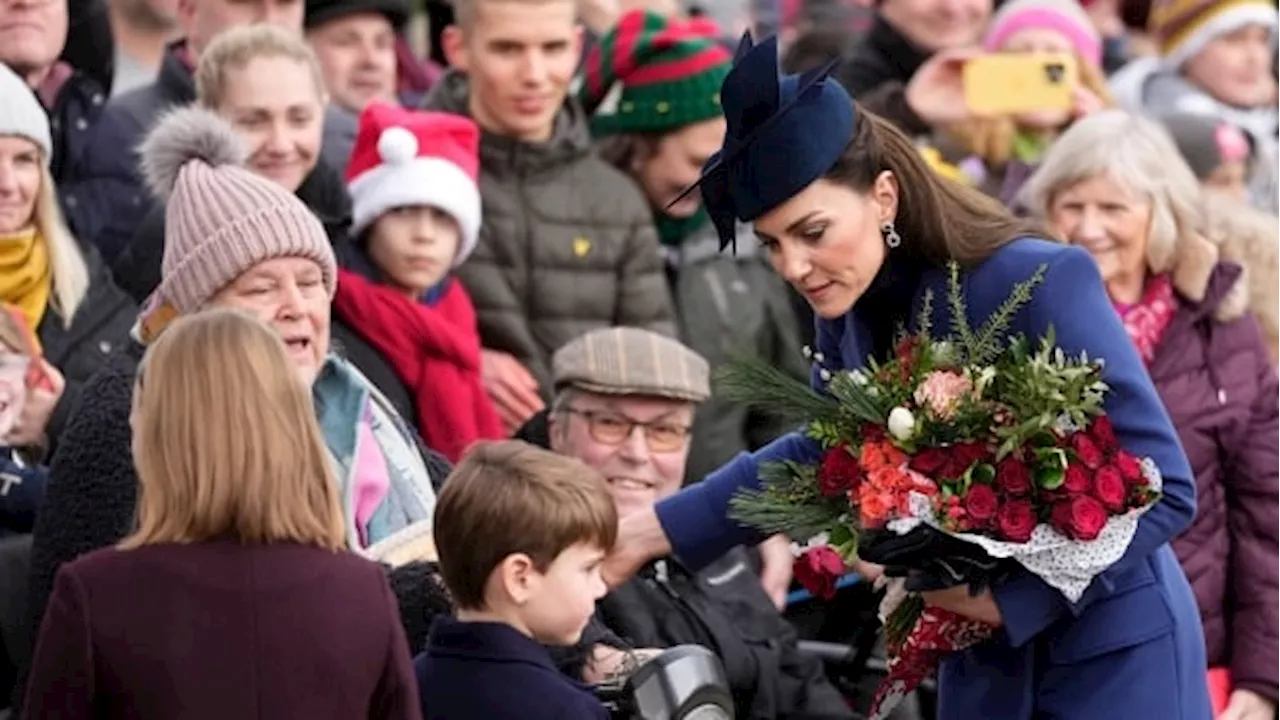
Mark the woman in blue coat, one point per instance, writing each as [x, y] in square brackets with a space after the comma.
[852, 217]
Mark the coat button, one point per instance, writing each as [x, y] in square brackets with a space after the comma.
[71, 201]
[105, 347]
[1222, 397]
[81, 124]
[97, 98]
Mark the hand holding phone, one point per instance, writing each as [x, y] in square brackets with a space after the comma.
[1008, 83]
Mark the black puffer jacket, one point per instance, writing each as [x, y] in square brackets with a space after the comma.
[90, 501]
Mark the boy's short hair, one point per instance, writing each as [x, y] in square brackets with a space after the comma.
[512, 497]
[464, 11]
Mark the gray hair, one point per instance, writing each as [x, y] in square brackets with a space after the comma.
[1140, 155]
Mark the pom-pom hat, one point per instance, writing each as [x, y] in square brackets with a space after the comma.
[1185, 27]
[411, 157]
[653, 74]
[220, 218]
[783, 132]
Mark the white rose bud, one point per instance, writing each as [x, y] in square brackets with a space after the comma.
[902, 424]
[858, 377]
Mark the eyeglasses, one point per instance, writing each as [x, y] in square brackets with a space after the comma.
[613, 429]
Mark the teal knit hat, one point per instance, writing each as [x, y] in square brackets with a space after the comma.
[669, 70]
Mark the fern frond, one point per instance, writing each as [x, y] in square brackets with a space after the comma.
[990, 337]
[960, 314]
[762, 387]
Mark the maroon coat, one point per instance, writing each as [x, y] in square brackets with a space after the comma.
[219, 631]
[1214, 372]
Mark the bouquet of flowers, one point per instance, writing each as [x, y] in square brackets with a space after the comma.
[956, 461]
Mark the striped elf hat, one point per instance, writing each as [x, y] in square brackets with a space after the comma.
[653, 74]
[1185, 27]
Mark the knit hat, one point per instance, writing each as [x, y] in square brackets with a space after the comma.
[21, 113]
[652, 74]
[1184, 27]
[1206, 142]
[220, 218]
[407, 157]
[1063, 16]
[319, 12]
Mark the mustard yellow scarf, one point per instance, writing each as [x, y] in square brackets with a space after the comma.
[25, 281]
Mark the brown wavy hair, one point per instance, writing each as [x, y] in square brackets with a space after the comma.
[939, 219]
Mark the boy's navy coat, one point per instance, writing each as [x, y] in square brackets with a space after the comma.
[492, 671]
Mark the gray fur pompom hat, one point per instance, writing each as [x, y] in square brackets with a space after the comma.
[220, 218]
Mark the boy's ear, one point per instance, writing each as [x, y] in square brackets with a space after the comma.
[518, 577]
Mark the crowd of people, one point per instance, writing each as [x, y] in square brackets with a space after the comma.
[474, 243]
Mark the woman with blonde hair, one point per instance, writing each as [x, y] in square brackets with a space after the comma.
[1115, 185]
[997, 154]
[233, 597]
[62, 289]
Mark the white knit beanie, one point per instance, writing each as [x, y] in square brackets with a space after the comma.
[21, 113]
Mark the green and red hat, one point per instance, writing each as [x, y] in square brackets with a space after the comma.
[653, 74]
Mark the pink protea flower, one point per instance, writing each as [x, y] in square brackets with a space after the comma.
[942, 391]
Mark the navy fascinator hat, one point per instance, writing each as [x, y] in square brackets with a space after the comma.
[782, 133]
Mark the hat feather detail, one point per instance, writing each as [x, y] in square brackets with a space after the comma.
[185, 135]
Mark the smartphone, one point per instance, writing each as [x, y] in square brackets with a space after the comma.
[1015, 83]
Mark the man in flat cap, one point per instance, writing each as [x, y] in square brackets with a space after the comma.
[624, 404]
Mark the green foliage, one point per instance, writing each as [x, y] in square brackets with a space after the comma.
[788, 501]
[769, 390]
[983, 346]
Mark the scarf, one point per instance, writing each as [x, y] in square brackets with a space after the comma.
[1147, 319]
[25, 281]
[435, 351]
[673, 231]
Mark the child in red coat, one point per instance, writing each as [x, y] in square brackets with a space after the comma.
[416, 216]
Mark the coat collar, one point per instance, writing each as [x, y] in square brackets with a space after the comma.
[895, 48]
[487, 641]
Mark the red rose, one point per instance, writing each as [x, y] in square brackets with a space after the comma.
[873, 433]
[929, 461]
[1104, 434]
[1079, 518]
[981, 504]
[1129, 467]
[961, 457]
[1076, 480]
[1086, 450]
[1015, 521]
[839, 473]
[817, 571]
[1109, 488]
[1013, 478]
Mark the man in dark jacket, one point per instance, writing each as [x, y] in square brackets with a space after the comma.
[879, 67]
[567, 243]
[624, 405]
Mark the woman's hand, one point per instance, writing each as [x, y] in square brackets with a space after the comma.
[640, 539]
[935, 92]
[776, 562]
[1248, 705]
[957, 599]
[34, 419]
[1084, 102]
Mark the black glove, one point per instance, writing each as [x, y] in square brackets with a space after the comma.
[930, 559]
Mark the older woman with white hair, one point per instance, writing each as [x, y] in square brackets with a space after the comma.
[1116, 185]
[62, 290]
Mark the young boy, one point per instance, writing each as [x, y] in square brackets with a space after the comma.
[521, 533]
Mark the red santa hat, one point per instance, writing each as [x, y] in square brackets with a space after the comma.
[410, 157]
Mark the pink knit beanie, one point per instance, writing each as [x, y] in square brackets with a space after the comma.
[1065, 16]
[220, 218]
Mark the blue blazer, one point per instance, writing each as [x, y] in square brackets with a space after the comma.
[1132, 646]
[474, 670]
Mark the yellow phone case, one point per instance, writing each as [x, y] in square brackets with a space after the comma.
[1012, 83]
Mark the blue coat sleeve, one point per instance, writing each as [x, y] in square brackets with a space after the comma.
[21, 493]
[696, 520]
[1074, 303]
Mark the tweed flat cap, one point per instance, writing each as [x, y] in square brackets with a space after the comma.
[632, 361]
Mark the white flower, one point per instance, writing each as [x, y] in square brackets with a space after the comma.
[902, 424]
[822, 539]
[858, 377]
